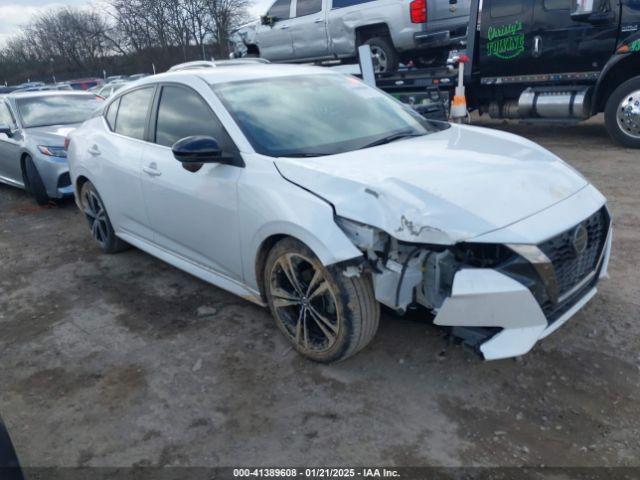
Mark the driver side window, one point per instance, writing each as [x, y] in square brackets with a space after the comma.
[280, 10]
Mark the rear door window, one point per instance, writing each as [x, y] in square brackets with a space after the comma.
[112, 112]
[132, 114]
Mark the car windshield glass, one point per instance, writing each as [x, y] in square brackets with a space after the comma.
[56, 109]
[321, 114]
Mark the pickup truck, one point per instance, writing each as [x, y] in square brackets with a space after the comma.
[422, 31]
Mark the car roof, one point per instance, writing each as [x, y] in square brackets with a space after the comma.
[238, 72]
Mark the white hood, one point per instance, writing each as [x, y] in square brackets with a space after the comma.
[442, 188]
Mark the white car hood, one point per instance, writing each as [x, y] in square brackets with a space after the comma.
[442, 188]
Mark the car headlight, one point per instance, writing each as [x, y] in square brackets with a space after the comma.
[363, 236]
[59, 152]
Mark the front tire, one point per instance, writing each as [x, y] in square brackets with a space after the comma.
[385, 56]
[622, 114]
[33, 182]
[99, 223]
[326, 316]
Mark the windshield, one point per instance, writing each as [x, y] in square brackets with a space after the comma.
[321, 114]
[56, 109]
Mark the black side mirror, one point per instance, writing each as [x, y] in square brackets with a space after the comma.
[198, 149]
[596, 12]
[192, 152]
[268, 20]
[6, 129]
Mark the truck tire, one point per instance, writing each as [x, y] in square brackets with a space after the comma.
[622, 114]
[326, 316]
[385, 55]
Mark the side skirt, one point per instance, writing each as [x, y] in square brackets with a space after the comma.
[197, 270]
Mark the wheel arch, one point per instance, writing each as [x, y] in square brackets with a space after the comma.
[23, 163]
[80, 181]
[253, 49]
[619, 69]
[327, 255]
[367, 32]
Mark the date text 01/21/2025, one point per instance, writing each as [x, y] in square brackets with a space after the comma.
[313, 473]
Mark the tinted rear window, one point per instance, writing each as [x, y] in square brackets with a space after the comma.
[132, 114]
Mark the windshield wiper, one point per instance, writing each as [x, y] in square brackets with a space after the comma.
[392, 138]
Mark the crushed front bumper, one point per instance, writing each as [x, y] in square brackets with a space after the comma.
[490, 299]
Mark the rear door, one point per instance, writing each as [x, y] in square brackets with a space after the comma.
[309, 30]
[274, 41]
[567, 46]
[116, 154]
[506, 46]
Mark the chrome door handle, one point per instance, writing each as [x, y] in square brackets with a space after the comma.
[537, 46]
[95, 151]
[318, 20]
[152, 170]
[283, 27]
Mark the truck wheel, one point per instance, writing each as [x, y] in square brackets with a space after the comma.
[326, 316]
[622, 114]
[385, 56]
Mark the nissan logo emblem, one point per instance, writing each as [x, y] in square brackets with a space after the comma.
[580, 239]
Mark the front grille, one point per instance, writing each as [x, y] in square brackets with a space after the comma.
[570, 267]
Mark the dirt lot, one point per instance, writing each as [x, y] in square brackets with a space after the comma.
[124, 360]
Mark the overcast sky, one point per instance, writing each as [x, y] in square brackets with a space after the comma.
[14, 13]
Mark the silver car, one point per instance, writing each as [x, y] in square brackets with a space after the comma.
[33, 129]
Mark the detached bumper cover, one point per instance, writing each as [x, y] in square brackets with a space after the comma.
[488, 298]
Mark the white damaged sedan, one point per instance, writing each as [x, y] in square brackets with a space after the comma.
[312, 193]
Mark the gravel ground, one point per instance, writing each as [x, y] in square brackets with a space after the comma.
[123, 360]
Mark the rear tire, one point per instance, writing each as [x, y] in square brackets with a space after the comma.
[99, 223]
[326, 316]
[622, 114]
[33, 182]
[385, 56]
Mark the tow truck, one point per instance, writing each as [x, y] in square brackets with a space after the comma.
[541, 61]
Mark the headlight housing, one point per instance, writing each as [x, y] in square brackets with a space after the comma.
[362, 236]
[50, 151]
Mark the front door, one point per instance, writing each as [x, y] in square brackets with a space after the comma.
[10, 170]
[194, 213]
[309, 30]
[568, 46]
[274, 41]
[506, 45]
